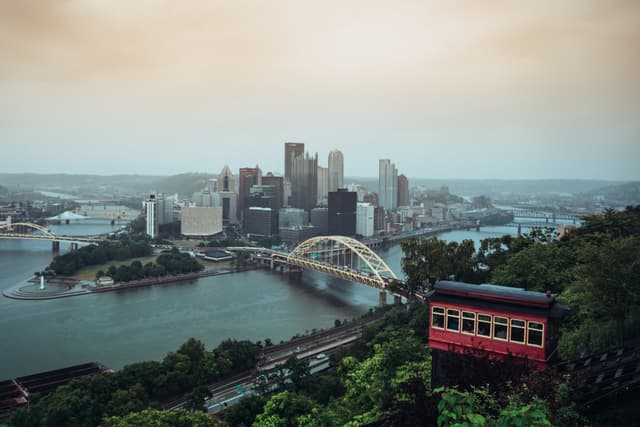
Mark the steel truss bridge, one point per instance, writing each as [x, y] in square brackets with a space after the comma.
[546, 216]
[337, 256]
[29, 231]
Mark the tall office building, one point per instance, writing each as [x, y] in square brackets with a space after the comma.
[336, 170]
[365, 223]
[342, 212]
[387, 185]
[292, 150]
[151, 216]
[247, 178]
[304, 182]
[278, 183]
[323, 186]
[404, 199]
[228, 196]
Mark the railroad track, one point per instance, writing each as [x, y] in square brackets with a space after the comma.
[603, 375]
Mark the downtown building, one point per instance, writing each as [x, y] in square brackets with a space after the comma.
[247, 178]
[365, 219]
[387, 185]
[336, 170]
[278, 184]
[202, 222]
[323, 186]
[228, 196]
[342, 212]
[304, 182]
[152, 226]
[404, 198]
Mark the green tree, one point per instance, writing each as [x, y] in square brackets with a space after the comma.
[607, 285]
[197, 398]
[245, 411]
[283, 410]
[156, 418]
[539, 267]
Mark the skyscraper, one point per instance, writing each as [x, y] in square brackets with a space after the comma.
[387, 185]
[292, 150]
[151, 216]
[336, 170]
[247, 178]
[278, 183]
[304, 182]
[404, 199]
[342, 212]
[323, 185]
[228, 196]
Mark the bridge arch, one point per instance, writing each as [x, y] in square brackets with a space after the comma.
[329, 247]
[12, 226]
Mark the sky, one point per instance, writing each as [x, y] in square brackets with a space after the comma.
[445, 89]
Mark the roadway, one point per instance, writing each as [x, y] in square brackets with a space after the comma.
[315, 348]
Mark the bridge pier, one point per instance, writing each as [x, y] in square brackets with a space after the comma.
[74, 246]
[382, 298]
[55, 246]
[397, 300]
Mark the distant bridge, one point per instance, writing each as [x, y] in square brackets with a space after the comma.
[548, 217]
[29, 231]
[337, 256]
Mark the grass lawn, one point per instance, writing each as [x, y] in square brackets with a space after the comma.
[187, 243]
[89, 273]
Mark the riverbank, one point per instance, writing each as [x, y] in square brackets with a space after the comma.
[65, 288]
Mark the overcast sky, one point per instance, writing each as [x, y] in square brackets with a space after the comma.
[446, 89]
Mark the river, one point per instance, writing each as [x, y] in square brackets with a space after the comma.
[117, 328]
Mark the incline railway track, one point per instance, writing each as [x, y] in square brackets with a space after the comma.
[603, 375]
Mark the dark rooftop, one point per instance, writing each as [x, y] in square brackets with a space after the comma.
[495, 293]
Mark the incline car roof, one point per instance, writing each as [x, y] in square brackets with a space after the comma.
[495, 293]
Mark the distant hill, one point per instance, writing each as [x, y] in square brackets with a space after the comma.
[496, 187]
[620, 194]
[184, 184]
[81, 185]
[187, 183]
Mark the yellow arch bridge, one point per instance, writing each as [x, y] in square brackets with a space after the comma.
[337, 256]
[29, 231]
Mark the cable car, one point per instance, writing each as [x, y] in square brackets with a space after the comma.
[495, 322]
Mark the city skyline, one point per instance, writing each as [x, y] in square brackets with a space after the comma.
[499, 91]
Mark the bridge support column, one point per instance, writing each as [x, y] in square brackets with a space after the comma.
[55, 246]
[397, 300]
[382, 298]
[74, 246]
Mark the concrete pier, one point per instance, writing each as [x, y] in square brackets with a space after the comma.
[382, 299]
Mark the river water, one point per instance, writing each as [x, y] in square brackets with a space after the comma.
[118, 328]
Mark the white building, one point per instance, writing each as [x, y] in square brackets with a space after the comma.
[336, 170]
[151, 215]
[387, 185]
[365, 219]
[201, 221]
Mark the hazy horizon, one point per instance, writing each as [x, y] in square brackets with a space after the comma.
[542, 90]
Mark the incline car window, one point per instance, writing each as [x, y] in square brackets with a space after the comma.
[517, 331]
[484, 325]
[453, 320]
[500, 326]
[534, 334]
[468, 322]
[437, 318]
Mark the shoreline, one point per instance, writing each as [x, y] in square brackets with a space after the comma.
[80, 287]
